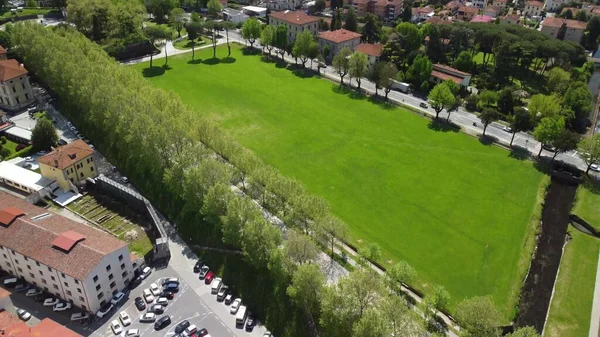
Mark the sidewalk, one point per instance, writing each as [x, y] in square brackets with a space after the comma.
[169, 50]
[595, 319]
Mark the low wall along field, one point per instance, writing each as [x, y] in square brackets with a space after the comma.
[455, 209]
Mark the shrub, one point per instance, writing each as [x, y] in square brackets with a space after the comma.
[20, 147]
[4, 152]
[3, 140]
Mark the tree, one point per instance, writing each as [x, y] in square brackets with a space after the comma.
[259, 240]
[323, 25]
[506, 100]
[193, 29]
[156, 36]
[281, 39]
[565, 141]
[351, 20]
[372, 28]
[306, 288]
[487, 99]
[519, 121]
[43, 135]
[251, 30]
[578, 99]
[319, 6]
[374, 75]
[548, 130]
[440, 98]
[227, 26]
[370, 252]
[331, 229]
[592, 33]
[437, 299]
[406, 14]
[195, 17]
[341, 63]
[420, 70]
[213, 26]
[160, 8]
[478, 317]
[398, 274]
[487, 116]
[541, 106]
[215, 203]
[240, 211]
[589, 150]
[401, 320]
[302, 46]
[387, 76]
[527, 331]
[267, 38]
[299, 247]
[358, 67]
[176, 18]
[373, 324]
[558, 80]
[214, 8]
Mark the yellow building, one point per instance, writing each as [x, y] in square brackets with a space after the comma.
[73, 162]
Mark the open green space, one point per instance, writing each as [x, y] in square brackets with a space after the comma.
[25, 12]
[10, 145]
[571, 307]
[457, 210]
[187, 44]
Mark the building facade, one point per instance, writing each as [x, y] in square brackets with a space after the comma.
[15, 90]
[372, 51]
[282, 5]
[296, 22]
[563, 29]
[533, 8]
[386, 10]
[337, 40]
[69, 164]
[441, 73]
[466, 13]
[74, 262]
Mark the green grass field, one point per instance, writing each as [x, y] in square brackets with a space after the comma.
[457, 210]
[571, 307]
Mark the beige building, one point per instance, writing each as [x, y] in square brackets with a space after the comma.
[500, 3]
[71, 163]
[533, 8]
[15, 92]
[373, 51]
[564, 29]
[72, 261]
[338, 39]
[510, 19]
[296, 22]
[386, 10]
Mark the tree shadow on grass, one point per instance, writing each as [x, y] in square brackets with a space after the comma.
[267, 59]
[195, 61]
[228, 60]
[519, 153]
[382, 102]
[212, 61]
[155, 71]
[250, 51]
[441, 125]
[487, 139]
[301, 72]
[281, 64]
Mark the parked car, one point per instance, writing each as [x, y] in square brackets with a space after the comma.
[22, 287]
[62, 306]
[203, 272]
[168, 294]
[148, 296]
[595, 167]
[33, 292]
[146, 272]
[139, 303]
[423, 105]
[148, 317]
[162, 322]
[154, 289]
[199, 264]
[267, 334]
[23, 314]
[132, 333]
[170, 280]
[124, 317]
[78, 316]
[116, 327]
[250, 322]
[117, 298]
[162, 301]
[104, 310]
[10, 282]
[235, 305]
[51, 301]
[125, 180]
[209, 277]
[506, 129]
[222, 293]
[215, 286]
[203, 333]
[171, 287]
[179, 328]
[192, 329]
[228, 298]
[157, 309]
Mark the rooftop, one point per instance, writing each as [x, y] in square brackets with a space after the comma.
[534, 3]
[481, 19]
[555, 22]
[445, 68]
[14, 327]
[339, 36]
[31, 180]
[67, 155]
[513, 17]
[452, 5]
[294, 17]
[370, 49]
[466, 9]
[444, 77]
[2, 50]
[19, 132]
[10, 69]
[34, 234]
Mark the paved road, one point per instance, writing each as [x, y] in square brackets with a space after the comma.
[595, 319]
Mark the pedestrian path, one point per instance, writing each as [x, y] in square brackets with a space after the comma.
[595, 320]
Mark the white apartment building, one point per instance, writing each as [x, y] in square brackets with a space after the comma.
[72, 261]
[296, 22]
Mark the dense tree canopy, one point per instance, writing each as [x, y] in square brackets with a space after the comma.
[44, 135]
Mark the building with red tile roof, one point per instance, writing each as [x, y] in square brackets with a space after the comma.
[564, 29]
[500, 3]
[75, 262]
[386, 10]
[15, 91]
[372, 50]
[533, 8]
[295, 21]
[337, 40]
[441, 73]
[12, 326]
[466, 13]
[510, 19]
[69, 164]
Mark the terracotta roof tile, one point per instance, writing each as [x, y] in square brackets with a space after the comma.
[443, 67]
[339, 36]
[534, 3]
[67, 155]
[370, 49]
[466, 9]
[9, 214]
[294, 17]
[7, 320]
[558, 22]
[46, 328]
[10, 69]
[33, 238]
[445, 77]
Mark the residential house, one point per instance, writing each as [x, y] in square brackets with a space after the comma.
[70, 260]
[69, 164]
[482, 19]
[420, 14]
[386, 10]
[16, 91]
[296, 22]
[338, 39]
[552, 5]
[452, 7]
[282, 5]
[533, 8]
[235, 16]
[255, 11]
[510, 19]
[500, 3]
[479, 3]
[436, 20]
[492, 11]
[373, 51]
[564, 29]
[466, 13]
[573, 10]
[441, 73]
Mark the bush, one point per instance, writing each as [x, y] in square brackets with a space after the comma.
[471, 103]
[4, 152]
[3, 140]
[25, 152]
[20, 147]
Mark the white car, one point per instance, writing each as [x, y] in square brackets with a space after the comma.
[23, 314]
[595, 167]
[131, 333]
[116, 327]
[148, 317]
[154, 289]
[80, 316]
[148, 296]
[125, 319]
[146, 271]
[117, 298]
[33, 292]
[62, 306]
[162, 301]
[507, 129]
[51, 301]
[267, 334]
[235, 305]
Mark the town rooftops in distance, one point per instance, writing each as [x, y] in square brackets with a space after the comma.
[294, 17]
[67, 155]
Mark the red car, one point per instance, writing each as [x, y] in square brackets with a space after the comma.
[209, 277]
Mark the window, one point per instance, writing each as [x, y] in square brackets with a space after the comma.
[122, 266]
[44, 282]
[8, 264]
[108, 268]
[66, 285]
[49, 269]
[6, 257]
[81, 174]
[82, 300]
[100, 295]
[20, 270]
[79, 290]
[25, 258]
[41, 273]
[110, 276]
[46, 288]
[55, 286]
[37, 264]
[83, 306]
[98, 287]
[69, 293]
[76, 281]
[124, 274]
[92, 168]
[121, 257]
[113, 284]
[29, 267]
[63, 275]
[14, 90]
[27, 96]
[96, 278]
[16, 261]
[31, 274]
[53, 278]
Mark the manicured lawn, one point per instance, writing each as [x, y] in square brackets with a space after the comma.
[570, 311]
[457, 210]
[186, 43]
[169, 27]
[26, 11]
[10, 145]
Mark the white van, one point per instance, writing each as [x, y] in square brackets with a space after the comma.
[10, 282]
[240, 318]
[216, 285]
